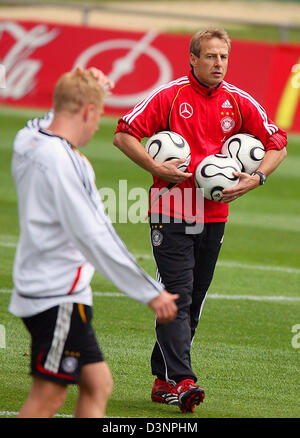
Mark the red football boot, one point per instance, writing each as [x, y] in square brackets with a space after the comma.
[189, 395]
[164, 392]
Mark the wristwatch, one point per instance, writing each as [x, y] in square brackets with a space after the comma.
[261, 175]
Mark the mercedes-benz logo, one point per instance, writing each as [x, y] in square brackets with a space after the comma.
[186, 110]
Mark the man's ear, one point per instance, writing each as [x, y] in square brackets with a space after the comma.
[193, 59]
[87, 110]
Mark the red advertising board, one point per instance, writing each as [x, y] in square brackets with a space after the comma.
[35, 54]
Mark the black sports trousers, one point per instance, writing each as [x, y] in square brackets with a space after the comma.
[185, 265]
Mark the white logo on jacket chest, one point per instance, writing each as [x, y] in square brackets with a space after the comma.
[227, 104]
[186, 110]
[227, 124]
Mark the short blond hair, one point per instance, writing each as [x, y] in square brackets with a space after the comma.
[196, 41]
[76, 89]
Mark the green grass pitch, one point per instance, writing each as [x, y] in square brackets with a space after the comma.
[244, 352]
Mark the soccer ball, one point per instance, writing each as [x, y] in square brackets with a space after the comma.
[168, 145]
[214, 174]
[246, 150]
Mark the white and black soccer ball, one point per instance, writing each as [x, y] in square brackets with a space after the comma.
[247, 150]
[214, 174]
[168, 145]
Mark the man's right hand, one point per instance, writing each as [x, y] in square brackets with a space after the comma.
[168, 171]
[164, 306]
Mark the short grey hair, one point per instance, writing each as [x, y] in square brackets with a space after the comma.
[196, 41]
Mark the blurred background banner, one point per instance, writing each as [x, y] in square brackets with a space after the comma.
[34, 55]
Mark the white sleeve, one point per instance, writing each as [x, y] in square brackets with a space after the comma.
[89, 227]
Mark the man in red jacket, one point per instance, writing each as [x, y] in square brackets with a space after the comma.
[206, 111]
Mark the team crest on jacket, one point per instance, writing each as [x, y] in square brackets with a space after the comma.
[227, 124]
[186, 110]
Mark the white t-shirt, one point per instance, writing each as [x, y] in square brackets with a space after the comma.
[65, 233]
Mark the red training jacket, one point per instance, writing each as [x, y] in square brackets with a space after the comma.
[206, 118]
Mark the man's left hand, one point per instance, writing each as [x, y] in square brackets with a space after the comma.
[246, 183]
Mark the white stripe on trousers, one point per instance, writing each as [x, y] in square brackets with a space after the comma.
[61, 331]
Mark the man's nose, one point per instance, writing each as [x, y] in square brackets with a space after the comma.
[218, 60]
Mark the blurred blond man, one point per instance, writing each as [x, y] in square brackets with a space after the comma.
[65, 235]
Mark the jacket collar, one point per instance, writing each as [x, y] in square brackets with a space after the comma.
[200, 88]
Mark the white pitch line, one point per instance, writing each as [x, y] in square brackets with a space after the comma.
[270, 298]
[231, 264]
[253, 297]
[109, 294]
[224, 264]
[8, 245]
[14, 414]
[8, 413]
[287, 270]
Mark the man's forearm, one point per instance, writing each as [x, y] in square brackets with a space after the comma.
[247, 182]
[271, 160]
[131, 147]
[166, 171]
